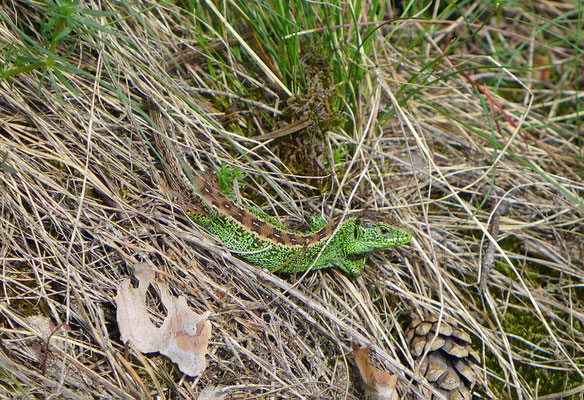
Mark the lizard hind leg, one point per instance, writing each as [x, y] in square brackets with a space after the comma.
[352, 265]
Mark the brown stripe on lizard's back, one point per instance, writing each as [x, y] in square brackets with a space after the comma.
[275, 237]
[295, 240]
[256, 225]
[323, 233]
[227, 205]
[238, 216]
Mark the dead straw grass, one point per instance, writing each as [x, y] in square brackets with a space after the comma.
[83, 204]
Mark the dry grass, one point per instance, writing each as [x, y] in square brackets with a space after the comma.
[498, 233]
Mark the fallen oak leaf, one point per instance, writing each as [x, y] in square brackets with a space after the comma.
[183, 336]
[379, 385]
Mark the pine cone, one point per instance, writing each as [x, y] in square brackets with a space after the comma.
[447, 364]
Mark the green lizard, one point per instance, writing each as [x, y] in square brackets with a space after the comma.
[264, 241]
[267, 243]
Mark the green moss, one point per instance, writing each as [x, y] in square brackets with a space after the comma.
[537, 359]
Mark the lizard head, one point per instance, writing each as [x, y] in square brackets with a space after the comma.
[373, 232]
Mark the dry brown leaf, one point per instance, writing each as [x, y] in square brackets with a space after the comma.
[379, 385]
[182, 337]
[213, 393]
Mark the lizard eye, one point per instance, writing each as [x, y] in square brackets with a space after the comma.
[383, 231]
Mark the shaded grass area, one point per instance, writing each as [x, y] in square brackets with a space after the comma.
[325, 108]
